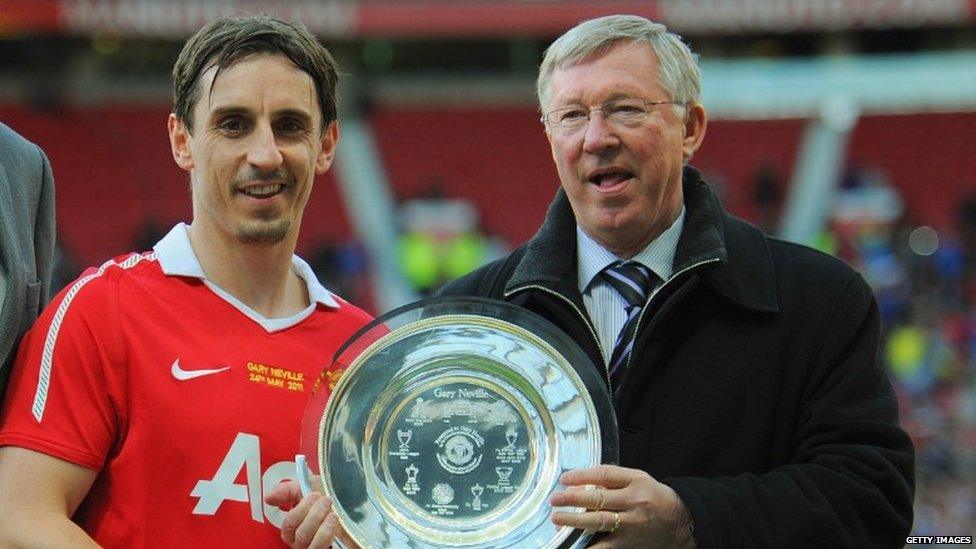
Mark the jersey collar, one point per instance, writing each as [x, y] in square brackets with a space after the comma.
[176, 257]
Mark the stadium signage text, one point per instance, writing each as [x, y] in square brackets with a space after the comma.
[177, 18]
[353, 18]
[786, 15]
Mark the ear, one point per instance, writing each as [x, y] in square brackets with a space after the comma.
[695, 122]
[179, 142]
[330, 138]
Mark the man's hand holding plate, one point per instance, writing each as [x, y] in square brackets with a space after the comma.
[311, 524]
[629, 505]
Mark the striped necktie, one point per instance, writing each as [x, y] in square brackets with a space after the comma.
[634, 282]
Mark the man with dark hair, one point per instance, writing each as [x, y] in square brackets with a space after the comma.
[752, 407]
[160, 395]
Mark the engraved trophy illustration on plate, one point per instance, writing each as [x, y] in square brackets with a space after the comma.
[451, 425]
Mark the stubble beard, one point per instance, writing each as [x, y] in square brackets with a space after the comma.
[265, 230]
[264, 233]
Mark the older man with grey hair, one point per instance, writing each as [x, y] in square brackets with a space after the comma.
[752, 408]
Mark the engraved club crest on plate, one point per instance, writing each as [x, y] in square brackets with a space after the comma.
[460, 449]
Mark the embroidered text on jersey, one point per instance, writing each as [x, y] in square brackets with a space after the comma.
[276, 377]
[183, 375]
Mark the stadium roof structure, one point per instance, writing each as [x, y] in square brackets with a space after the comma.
[875, 84]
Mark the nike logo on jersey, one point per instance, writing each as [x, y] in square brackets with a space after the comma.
[183, 375]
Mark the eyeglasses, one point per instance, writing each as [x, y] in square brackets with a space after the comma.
[622, 113]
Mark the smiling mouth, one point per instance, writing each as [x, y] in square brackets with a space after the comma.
[263, 191]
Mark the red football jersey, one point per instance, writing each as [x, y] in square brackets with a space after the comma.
[187, 402]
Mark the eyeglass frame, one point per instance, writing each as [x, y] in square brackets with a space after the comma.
[602, 108]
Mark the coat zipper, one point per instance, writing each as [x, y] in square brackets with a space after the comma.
[586, 321]
[672, 278]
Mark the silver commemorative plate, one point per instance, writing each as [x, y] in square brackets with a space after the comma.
[452, 423]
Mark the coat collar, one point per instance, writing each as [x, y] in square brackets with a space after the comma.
[740, 264]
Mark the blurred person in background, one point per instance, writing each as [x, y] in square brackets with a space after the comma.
[440, 240]
[26, 240]
[159, 398]
[752, 407]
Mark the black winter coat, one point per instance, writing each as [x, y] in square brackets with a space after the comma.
[755, 388]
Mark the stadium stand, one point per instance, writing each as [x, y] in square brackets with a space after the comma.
[117, 159]
[929, 157]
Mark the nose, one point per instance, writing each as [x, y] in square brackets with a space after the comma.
[599, 134]
[263, 151]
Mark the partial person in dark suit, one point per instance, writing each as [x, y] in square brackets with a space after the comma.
[26, 240]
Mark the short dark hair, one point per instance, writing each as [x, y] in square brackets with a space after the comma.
[227, 41]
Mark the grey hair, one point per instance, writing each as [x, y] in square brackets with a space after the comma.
[679, 73]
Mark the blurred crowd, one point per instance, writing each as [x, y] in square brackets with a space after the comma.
[925, 282]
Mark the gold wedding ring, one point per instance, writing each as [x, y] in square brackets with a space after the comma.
[616, 522]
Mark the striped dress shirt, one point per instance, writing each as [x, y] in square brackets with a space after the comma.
[604, 304]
